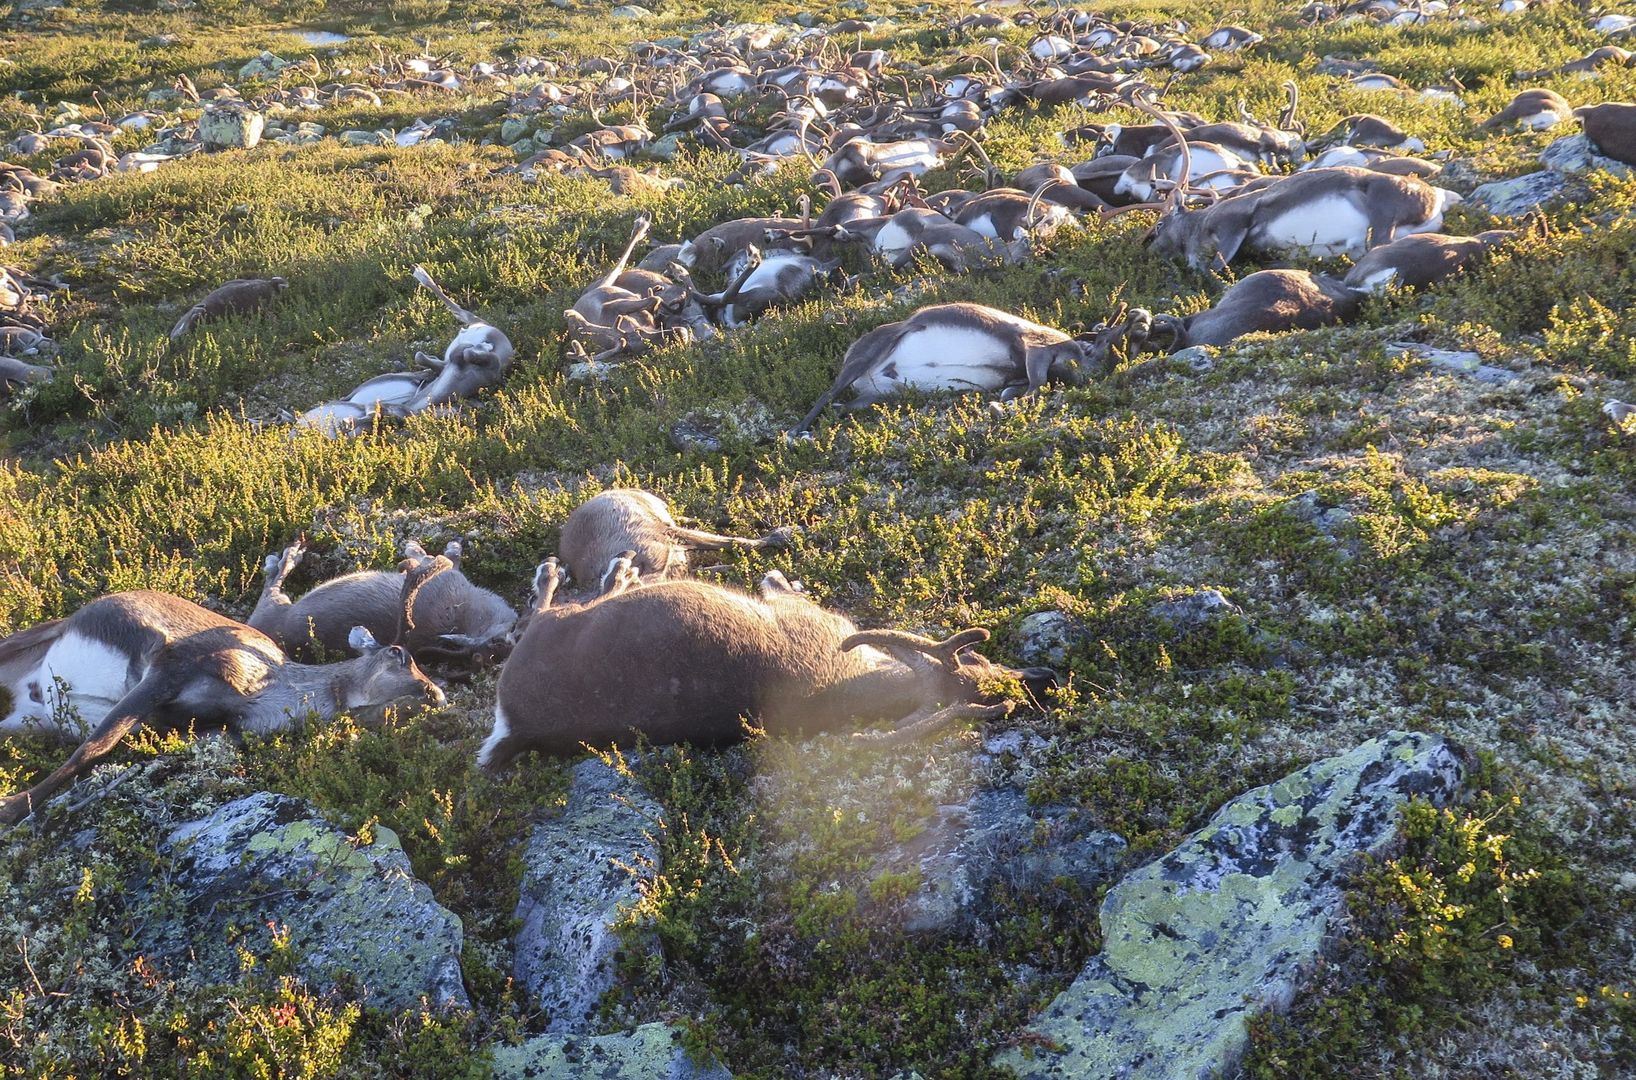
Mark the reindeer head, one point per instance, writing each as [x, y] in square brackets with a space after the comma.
[953, 673]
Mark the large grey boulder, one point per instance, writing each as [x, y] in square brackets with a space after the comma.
[649, 1052]
[1223, 928]
[996, 839]
[574, 887]
[354, 913]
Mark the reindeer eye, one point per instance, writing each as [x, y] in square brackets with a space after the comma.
[398, 653]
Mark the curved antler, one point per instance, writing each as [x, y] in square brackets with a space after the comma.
[898, 642]
[416, 573]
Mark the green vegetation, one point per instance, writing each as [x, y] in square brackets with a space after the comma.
[1408, 549]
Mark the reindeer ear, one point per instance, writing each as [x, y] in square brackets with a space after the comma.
[413, 550]
[362, 641]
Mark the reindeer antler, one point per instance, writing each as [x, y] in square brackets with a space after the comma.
[898, 642]
[416, 573]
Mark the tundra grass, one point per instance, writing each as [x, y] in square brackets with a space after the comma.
[1405, 548]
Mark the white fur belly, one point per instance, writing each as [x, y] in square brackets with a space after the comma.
[1541, 120]
[95, 674]
[893, 239]
[1379, 281]
[917, 157]
[942, 358]
[1328, 226]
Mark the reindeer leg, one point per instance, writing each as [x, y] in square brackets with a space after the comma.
[127, 714]
[621, 575]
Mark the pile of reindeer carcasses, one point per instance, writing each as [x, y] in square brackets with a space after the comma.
[869, 134]
[24, 343]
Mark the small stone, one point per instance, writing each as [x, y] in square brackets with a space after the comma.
[513, 128]
[589, 371]
[996, 838]
[649, 1052]
[631, 11]
[666, 148]
[1458, 363]
[1198, 359]
[572, 893]
[1330, 519]
[1460, 176]
[356, 137]
[264, 66]
[1194, 611]
[230, 127]
[1046, 636]
[159, 41]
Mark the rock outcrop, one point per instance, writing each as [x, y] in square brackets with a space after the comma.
[354, 913]
[573, 889]
[1223, 928]
[649, 1052]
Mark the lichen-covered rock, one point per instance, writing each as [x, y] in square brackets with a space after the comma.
[1046, 636]
[1522, 194]
[574, 885]
[353, 912]
[230, 127]
[1457, 363]
[1221, 929]
[359, 137]
[1575, 154]
[264, 66]
[1195, 610]
[708, 430]
[996, 838]
[649, 1052]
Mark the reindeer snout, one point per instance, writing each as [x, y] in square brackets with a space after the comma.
[1038, 680]
[434, 695]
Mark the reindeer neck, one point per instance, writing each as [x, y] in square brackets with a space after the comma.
[299, 689]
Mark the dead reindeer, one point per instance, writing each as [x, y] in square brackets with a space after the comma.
[236, 297]
[1008, 214]
[1423, 259]
[897, 239]
[1612, 127]
[148, 657]
[476, 358]
[700, 658]
[711, 250]
[611, 321]
[957, 346]
[1100, 176]
[615, 143]
[17, 373]
[1200, 166]
[1268, 301]
[1340, 211]
[1366, 129]
[1534, 110]
[763, 281]
[1586, 66]
[624, 180]
[638, 525]
[444, 618]
[1056, 184]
